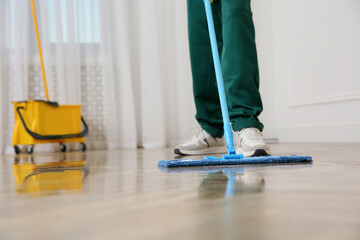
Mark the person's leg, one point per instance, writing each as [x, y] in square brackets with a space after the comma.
[208, 113]
[241, 77]
[240, 65]
[210, 139]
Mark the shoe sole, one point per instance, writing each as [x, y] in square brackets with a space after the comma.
[256, 153]
[213, 150]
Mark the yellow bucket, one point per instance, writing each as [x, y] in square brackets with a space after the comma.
[38, 121]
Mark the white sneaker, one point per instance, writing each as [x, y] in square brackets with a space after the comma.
[250, 143]
[202, 143]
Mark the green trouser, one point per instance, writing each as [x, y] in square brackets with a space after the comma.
[236, 41]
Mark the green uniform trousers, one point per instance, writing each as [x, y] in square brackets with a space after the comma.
[236, 41]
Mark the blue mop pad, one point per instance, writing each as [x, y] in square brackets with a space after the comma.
[236, 168]
[243, 161]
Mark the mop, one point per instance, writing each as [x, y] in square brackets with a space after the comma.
[232, 158]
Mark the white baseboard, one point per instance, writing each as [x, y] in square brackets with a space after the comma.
[327, 134]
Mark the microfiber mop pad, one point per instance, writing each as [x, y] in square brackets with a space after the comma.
[234, 168]
[243, 161]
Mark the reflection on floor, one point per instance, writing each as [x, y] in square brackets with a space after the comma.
[124, 195]
[36, 179]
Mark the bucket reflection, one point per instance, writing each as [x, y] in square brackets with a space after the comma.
[41, 176]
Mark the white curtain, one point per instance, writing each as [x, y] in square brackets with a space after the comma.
[126, 62]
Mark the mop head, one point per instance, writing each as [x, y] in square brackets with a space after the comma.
[243, 161]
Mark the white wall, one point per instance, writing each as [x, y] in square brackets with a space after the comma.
[310, 69]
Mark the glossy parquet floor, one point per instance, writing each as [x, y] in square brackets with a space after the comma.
[124, 195]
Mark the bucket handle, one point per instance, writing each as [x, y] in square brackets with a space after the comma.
[53, 137]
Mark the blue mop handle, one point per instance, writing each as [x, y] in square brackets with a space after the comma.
[219, 78]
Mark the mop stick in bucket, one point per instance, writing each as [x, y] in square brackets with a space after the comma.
[40, 50]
